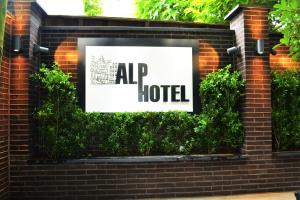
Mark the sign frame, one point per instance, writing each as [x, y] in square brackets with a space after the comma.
[132, 42]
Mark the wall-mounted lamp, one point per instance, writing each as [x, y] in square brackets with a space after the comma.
[40, 49]
[234, 51]
[17, 44]
[260, 45]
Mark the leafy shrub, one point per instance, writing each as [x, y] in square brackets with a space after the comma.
[285, 109]
[219, 123]
[59, 118]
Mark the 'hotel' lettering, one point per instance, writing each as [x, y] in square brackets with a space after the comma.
[154, 92]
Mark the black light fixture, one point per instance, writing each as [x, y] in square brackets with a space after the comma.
[260, 45]
[39, 49]
[17, 44]
[234, 51]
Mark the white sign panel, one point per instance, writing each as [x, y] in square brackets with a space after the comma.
[138, 78]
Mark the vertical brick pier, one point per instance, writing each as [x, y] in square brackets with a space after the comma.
[251, 24]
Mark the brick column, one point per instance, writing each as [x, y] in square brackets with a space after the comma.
[19, 92]
[250, 23]
[22, 95]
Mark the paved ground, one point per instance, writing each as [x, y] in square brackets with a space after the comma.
[256, 196]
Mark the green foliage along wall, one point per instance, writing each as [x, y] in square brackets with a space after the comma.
[68, 132]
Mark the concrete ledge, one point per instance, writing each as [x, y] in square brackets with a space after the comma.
[287, 154]
[171, 158]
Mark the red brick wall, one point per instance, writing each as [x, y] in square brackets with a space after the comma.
[19, 96]
[4, 109]
[258, 171]
[164, 179]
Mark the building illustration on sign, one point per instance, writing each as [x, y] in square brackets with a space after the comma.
[103, 71]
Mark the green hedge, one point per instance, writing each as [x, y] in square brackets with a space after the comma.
[145, 133]
[286, 109]
[68, 132]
